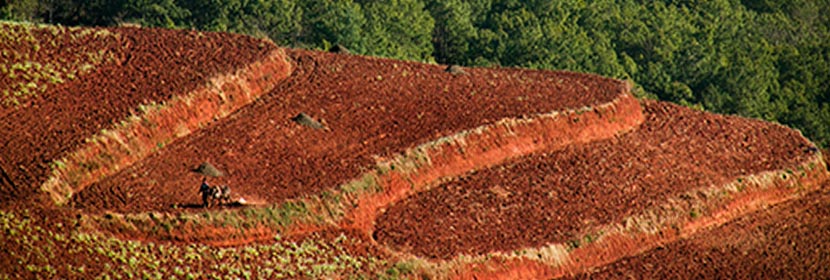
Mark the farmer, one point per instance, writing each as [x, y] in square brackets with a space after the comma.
[204, 189]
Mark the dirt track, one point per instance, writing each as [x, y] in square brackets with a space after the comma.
[547, 198]
[150, 65]
[373, 108]
[787, 241]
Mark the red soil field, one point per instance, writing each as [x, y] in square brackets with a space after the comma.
[786, 241]
[548, 197]
[374, 108]
[150, 65]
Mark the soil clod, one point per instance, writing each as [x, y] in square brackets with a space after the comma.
[455, 70]
[339, 49]
[306, 120]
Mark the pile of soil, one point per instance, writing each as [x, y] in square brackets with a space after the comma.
[308, 121]
[373, 108]
[548, 197]
[150, 66]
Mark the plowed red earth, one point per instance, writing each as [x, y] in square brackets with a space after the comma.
[151, 65]
[378, 108]
[547, 197]
[788, 241]
[372, 107]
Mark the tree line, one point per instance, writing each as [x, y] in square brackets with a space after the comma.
[766, 59]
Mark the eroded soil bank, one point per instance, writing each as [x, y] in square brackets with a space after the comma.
[548, 197]
[786, 241]
[492, 145]
[373, 108]
[148, 66]
[562, 182]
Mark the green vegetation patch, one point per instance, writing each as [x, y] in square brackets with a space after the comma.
[36, 57]
[75, 253]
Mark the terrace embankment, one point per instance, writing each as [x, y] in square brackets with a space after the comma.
[700, 166]
[788, 240]
[75, 132]
[141, 135]
[374, 109]
[605, 110]
[488, 146]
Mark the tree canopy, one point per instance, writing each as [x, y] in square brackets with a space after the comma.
[767, 59]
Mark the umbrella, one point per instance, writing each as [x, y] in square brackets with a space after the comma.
[208, 169]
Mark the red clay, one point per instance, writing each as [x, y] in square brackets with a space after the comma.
[787, 241]
[151, 65]
[717, 211]
[138, 137]
[493, 145]
[498, 268]
[547, 197]
[373, 107]
[376, 109]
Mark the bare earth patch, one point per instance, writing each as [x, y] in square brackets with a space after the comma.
[786, 241]
[548, 197]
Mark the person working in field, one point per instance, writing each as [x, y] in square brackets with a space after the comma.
[221, 194]
[205, 190]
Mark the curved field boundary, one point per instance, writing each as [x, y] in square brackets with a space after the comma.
[270, 159]
[786, 240]
[355, 205]
[550, 196]
[680, 217]
[140, 135]
[491, 145]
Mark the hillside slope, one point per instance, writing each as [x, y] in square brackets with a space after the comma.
[373, 109]
[350, 166]
[785, 241]
[552, 197]
[100, 80]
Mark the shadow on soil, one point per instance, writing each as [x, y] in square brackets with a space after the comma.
[201, 206]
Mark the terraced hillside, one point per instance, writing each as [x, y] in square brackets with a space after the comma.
[551, 197]
[101, 80]
[373, 108]
[785, 241]
[406, 170]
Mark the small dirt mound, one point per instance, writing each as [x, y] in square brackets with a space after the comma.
[455, 70]
[306, 120]
[339, 49]
[208, 169]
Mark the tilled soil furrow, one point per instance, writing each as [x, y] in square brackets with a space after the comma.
[786, 241]
[148, 65]
[549, 197]
[373, 108]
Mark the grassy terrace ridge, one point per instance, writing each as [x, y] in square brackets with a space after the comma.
[107, 256]
[158, 124]
[355, 204]
[25, 74]
[329, 234]
[678, 217]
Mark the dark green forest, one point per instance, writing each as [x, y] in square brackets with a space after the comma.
[766, 59]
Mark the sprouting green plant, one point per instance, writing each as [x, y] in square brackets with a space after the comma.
[589, 239]
[32, 77]
[399, 270]
[694, 213]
